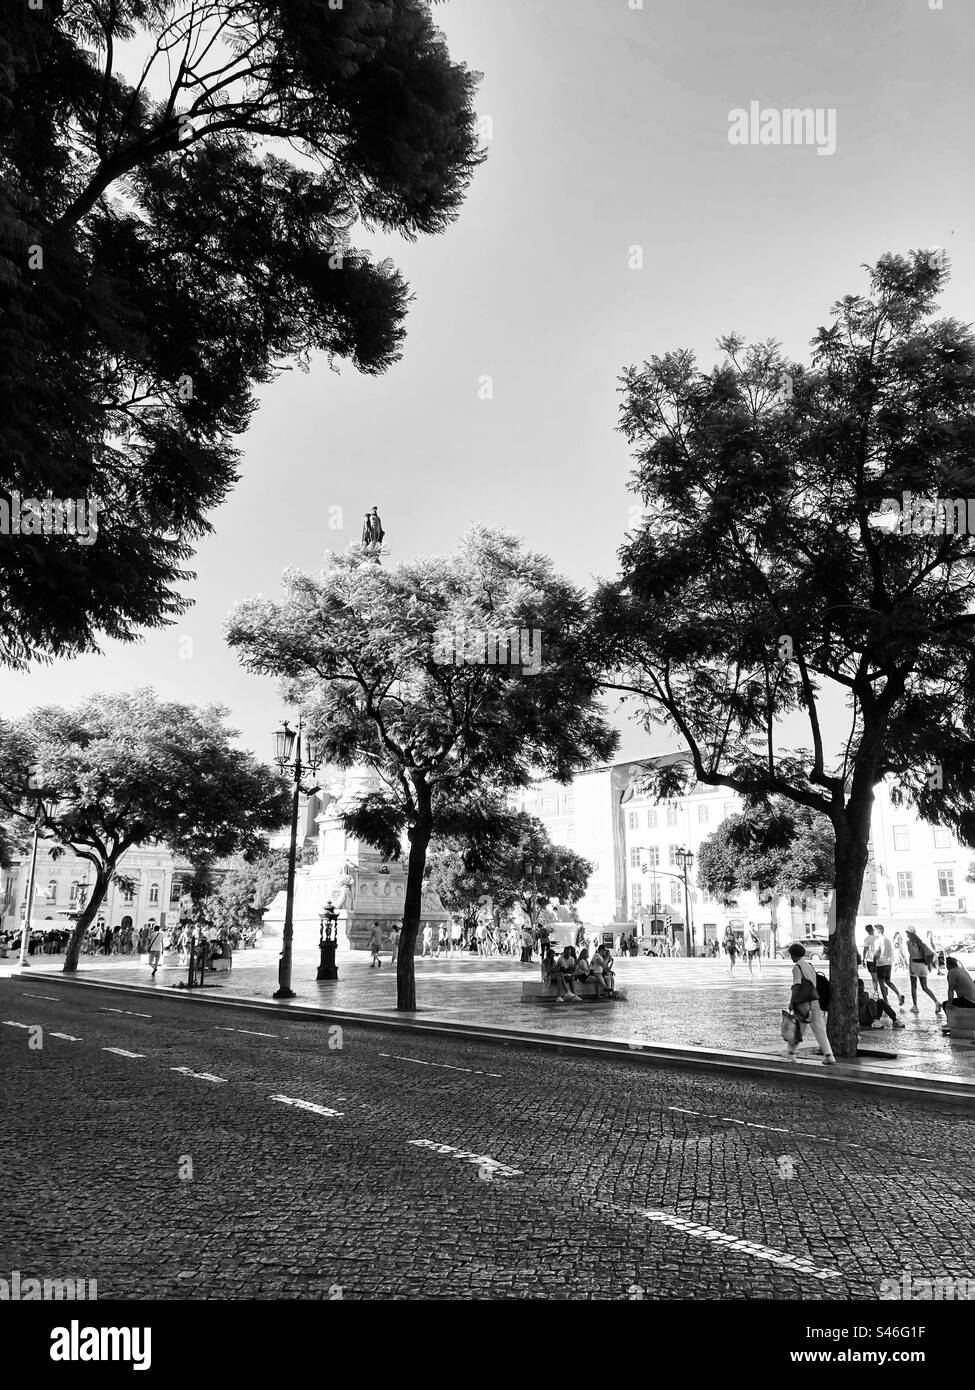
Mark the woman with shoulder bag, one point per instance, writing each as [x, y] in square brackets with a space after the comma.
[805, 1002]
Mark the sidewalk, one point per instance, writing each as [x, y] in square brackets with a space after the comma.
[686, 1004]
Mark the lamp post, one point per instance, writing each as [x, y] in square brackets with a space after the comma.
[327, 943]
[287, 741]
[44, 811]
[685, 858]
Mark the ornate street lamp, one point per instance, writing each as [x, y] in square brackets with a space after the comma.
[327, 943]
[286, 741]
[685, 858]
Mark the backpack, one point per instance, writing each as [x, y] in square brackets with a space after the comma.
[823, 990]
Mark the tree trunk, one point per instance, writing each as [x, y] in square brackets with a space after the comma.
[85, 919]
[419, 837]
[843, 1024]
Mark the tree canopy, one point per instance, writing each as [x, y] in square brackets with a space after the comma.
[390, 668]
[126, 770]
[767, 581]
[181, 184]
[783, 847]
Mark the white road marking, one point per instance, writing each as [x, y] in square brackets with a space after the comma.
[10, 1024]
[445, 1065]
[129, 1012]
[199, 1075]
[121, 1052]
[67, 1037]
[749, 1247]
[253, 1032]
[308, 1105]
[41, 996]
[682, 1111]
[482, 1160]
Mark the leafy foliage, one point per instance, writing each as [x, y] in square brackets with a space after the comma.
[173, 233]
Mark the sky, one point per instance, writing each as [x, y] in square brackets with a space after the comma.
[608, 145]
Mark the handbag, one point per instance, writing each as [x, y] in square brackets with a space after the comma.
[805, 992]
[791, 1027]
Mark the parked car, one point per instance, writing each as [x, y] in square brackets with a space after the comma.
[816, 947]
[964, 953]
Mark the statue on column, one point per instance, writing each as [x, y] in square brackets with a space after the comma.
[372, 535]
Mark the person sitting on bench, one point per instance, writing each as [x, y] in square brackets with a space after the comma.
[555, 973]
[609, 974]
[961, 986]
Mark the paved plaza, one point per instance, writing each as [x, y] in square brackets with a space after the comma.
[687, 1003]
[169, 1151]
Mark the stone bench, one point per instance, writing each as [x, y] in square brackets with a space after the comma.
[960, 1022]
[535, 992]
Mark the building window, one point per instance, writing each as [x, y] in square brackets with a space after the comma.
[52, 891]
[942, 837]
[548, 805]
[128, 897]
[674, 849]
[570, 804]
[946, 883]
[653, 857]
[905, 885]
[673, 814]
[729, 809]
[175, 891]
[676, 894]
[634, 858]
[902, 839]
[652, 819]
[637, 898]
[633, 820]
[702, 815]
[154, 893]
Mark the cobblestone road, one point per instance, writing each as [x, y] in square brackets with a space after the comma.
[308, 1179]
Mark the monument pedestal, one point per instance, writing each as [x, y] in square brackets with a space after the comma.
[364, 888]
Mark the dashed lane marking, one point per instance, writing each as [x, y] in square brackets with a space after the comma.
[796, 1263]
[10, 1024]
[253, 1032]
[67, 1037]
[129, 1012]
[121, 1052]
[483, 1161]
[40, 996]
[446, 1066]
[199, 1075]
[308, 1105]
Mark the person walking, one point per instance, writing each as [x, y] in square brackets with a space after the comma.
[805, 1002]
[155, 945]
[884, 961]
[456, 938]
[898, 944]
[375, 946]
[427, 949]
[869, 954]
[443, 941]
[394, 935]
[731, 946]
[939, 955]
[753, 950]
[922, 958]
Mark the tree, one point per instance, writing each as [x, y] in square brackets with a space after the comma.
[766, 581]
[390, 668]
[174, 235]
[247, 889]
[130, 770]
[781, 846]
[499, 866]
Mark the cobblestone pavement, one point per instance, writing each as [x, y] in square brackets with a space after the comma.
[676, 1002]
[171, 1152]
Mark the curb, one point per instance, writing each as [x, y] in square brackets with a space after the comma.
[922, 1086]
